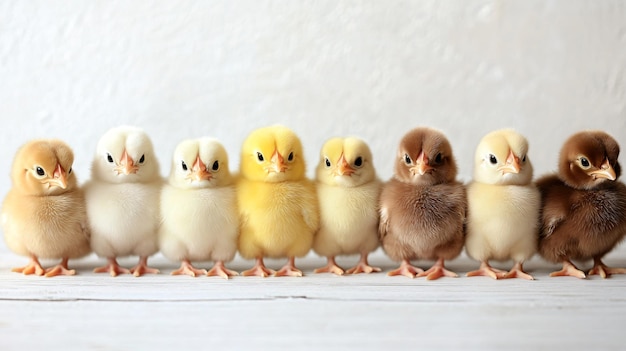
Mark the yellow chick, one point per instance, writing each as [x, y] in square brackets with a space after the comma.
[347, 191]
[503, 205]
[43, 215]
[277, 204]
[199, 218]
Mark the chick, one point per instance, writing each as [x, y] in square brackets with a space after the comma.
[422, 208]
[43, 215]
[277, 204]
[199, 209]
[503, 205]
[123, 199]
[584, 206]
[347, 191]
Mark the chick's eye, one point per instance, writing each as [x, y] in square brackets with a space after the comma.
[492, 159]
[40, 171]
[70, 171]
[142, 159]
[438, 158]
[290, 157]
[109, 158]
[216, 166]
[259, 156]
[327, 161]
[407, 159]
[524, 158]
[584, 162]
[358, 162]
[184, 166]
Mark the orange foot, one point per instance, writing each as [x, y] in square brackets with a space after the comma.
[219, 270]
[60, 269]
[362, 267]
[186, 268]
[112, 267]
[289, 270]
[518, 272]
[33, 267]
[604, 271]
[569, 270]
[142, 268]
[258, 270]
[486, 270]
[330, 267]
[406, 269]
[437, 271]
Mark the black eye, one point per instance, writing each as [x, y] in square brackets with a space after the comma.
[493, 159]
[109, 158]
[40, 171]
[438, 158]
[216, 166]
[259, 156]
[70, 171]
[184, 165]
[584, 162]
[290, 157]
[358, 162]
[142, 159]
[407, 159]
[327, 162]
[524, 158]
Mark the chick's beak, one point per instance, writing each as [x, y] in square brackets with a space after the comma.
[59, 177]
[343, 167]
[605, 171]
[421, 165]
[512, 164]
[127, 165]
[278, 163]
[199, 171]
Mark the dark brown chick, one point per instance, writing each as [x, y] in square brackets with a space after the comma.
[583, 206]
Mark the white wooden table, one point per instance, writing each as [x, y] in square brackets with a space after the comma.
[319, 311]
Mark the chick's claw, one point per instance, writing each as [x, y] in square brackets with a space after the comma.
[258, 270]
[437, 271]
[330, 267]
[33, 267]
[289, 270]
[518, 272]
[112, 268]
[486, 270]
[142, 268]
[569, 270]
[602, 270]
[406, 269]
[220, 270]
[186, 268]
[60, 269]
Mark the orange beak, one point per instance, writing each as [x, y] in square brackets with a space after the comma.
[278, 163]
[59, 177]
[421, 167]
[343, 167]
[127, 165]
[605, 171]
[199, 171]
[512, 164]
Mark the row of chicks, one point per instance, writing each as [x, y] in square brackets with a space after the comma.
[270, 209]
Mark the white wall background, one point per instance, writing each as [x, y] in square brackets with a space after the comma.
[374, 69]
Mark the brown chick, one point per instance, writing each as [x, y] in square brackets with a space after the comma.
[422, 207]
[583, 206]
[43, 215]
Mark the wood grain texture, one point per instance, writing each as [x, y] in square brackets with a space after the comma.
[96, 312]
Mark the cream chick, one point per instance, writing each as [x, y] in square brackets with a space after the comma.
[199, 209]
[123, 199]
[347, 191]
[43, 215]
[503, 205]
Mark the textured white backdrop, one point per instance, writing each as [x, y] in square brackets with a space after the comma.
[374, 69]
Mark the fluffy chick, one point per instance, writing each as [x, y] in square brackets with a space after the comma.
[43, 215]
[584, 206]
[123, 199]
[503, 205]
[277, 204]
[199, 214]
[422, 208]
[348, 192]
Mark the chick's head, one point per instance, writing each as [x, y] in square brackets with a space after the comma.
[588, 159]
[425, 158]
[44, 167]
[125, 155]
[345, 162]
[501, 159]
[200, 163]
[272, 154]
